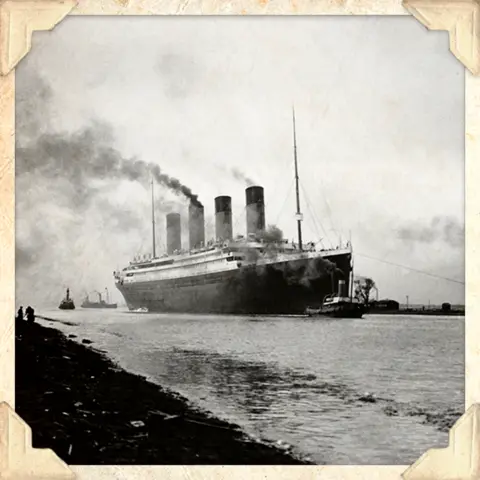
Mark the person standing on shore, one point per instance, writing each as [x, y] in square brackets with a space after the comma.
[30, 312]
[20, 314]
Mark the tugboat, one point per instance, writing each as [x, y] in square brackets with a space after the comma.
[100, 304]
[338, 305]
[67, 302]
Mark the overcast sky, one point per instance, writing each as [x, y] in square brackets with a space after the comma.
[379, 104]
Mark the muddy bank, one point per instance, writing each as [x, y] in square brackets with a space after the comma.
[89, 411]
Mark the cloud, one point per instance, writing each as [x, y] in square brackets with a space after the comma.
[441, 229]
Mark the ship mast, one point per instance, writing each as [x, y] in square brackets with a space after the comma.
[352, 276]
[153, 223]
[299, 214]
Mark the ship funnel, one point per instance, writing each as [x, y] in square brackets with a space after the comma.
[174, 233]
[196, 226]
[255, 210]
[223, 218]
[342, 288]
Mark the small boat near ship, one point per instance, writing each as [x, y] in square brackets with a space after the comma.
[100, 304]
[67, 303]
[338, 305]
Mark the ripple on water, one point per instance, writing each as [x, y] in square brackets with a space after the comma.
[349, 392]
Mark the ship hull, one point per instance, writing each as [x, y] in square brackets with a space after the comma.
[278, 288]
[66, 306]
[338, 312]
[99, 305]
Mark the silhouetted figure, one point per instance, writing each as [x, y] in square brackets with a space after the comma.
[20, 314]
[30, 312]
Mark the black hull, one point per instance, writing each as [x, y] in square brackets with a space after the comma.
[280, 288]
[66, 307]
[338, 310]
[339, 314]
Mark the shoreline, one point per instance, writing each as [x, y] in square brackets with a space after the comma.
[91, 412]
[416, 312]
[433, 313]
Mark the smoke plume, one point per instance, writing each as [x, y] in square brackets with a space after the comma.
[305, 272]
[271, 235]
[82, 208]
[237, 174]
[86, 156]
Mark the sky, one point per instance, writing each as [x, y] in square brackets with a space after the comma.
[379, 104]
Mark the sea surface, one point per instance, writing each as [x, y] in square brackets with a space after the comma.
[361, 391]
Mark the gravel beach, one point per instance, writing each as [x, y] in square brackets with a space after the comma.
[91, 412]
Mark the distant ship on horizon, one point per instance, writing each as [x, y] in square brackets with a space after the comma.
[101, 302]
[67, 303]
[257, 274]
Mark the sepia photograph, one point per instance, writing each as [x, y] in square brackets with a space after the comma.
[240, 240]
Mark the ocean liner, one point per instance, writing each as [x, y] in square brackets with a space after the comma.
[256, 274]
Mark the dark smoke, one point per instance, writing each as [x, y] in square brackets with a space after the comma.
[305, 272]
[318, 268]
[302, 272]
[237, 174]
[88, 155]
[446, 229]
[82, 209]
[271, 235]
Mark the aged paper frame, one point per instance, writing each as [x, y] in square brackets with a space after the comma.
[19, 18]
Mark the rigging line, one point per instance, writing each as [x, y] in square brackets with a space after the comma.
[209, 224]
[423, 272]
[315, 223]
[310, 208]
[314, 217]
[285, 201]
[329, 211]
[277, 185]
[237, 218]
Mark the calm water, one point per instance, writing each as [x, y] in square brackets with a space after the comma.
[300, 380]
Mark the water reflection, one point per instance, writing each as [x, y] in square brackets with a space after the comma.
[260, 389]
